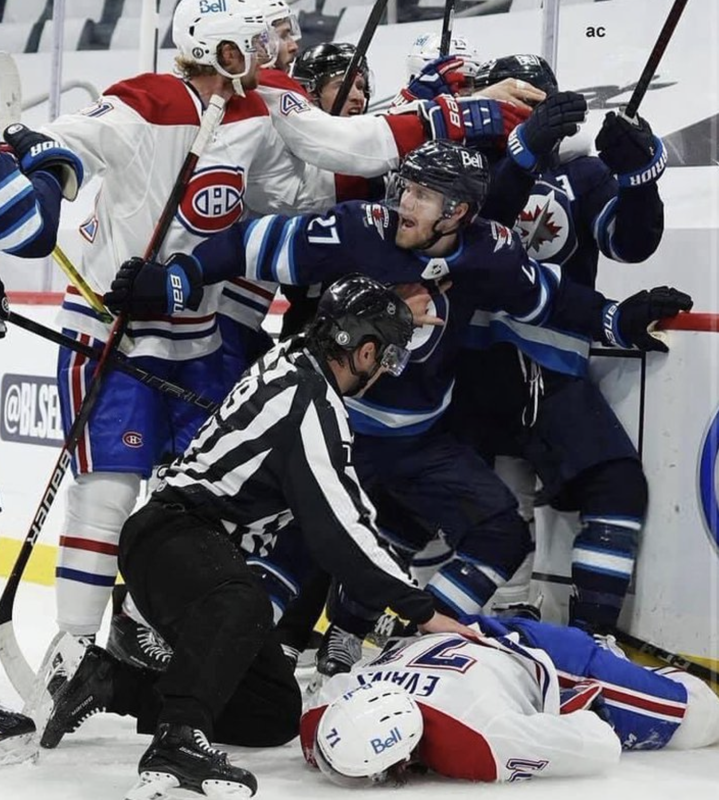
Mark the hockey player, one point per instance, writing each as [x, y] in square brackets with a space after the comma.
[33, 182]
[135, 139]
[541, 405]
[429, 232]
[278, 448]
[525, 700]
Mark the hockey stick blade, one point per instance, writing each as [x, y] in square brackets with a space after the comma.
[673, 659]
[655, 57]
[360, 52]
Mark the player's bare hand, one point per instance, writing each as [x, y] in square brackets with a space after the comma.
[440, 623]
[418, 297]
[513, 90]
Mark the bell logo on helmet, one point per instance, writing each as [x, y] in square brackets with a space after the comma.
[212, 6]
[380, 745]
[471, 160]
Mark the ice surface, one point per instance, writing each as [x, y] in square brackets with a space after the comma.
[99, 761]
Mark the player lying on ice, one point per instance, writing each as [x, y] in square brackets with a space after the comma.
[527, 699]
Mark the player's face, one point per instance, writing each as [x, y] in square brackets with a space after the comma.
[233, 60]
[420, 209]
[355, 103]
[288, 47]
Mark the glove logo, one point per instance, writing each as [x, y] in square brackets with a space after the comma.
[213, 200]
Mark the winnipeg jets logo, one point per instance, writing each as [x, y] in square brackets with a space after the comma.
[536, 226]
[502, 235]
[543, 225]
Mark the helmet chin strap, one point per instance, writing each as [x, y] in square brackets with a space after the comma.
[237, 87]
[363, 377]
[437, 235]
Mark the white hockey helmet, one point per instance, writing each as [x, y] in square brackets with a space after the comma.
[200, 26]
[365, 732]
[277, 11]
[425, 48]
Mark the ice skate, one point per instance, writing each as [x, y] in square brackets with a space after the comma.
[134, 643]
[17, 740]
[88, 692]
[180, 757]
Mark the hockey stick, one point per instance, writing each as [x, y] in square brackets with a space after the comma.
[361, 51]
[117, 361]
[673, 659]
[80, 284]
[654, 58]
[447, 25]
[19, 671]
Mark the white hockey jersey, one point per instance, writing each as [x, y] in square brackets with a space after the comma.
[490, 710]
[136, 138]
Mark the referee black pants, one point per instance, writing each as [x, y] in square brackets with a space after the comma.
[228, 675]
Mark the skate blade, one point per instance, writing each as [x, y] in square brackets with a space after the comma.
[225, 790]
[18, 749]
[153, 786]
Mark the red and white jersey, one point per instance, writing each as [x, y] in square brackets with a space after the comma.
[135, 138]
[490, 710]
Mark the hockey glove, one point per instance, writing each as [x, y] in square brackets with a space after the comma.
[629, 323]
[558, 116]
[146, 290]
[441, 76]
[586, 696]
[473, 121]
[4, 310]
[630, 150]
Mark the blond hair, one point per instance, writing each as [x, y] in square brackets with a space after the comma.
[187, 69]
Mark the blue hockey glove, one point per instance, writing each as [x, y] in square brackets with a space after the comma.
[147, 290]
[4, 310]
[553, 119]
[470, 120]
[35, 151]
[630, 150]
[629, 323]
[442, 76]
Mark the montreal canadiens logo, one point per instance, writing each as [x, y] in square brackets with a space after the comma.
[709, 479]
[132, 439]
[212, 200]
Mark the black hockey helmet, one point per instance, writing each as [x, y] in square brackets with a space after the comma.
[317, 65]
[355, 309]
[530, 68]
[459, 173]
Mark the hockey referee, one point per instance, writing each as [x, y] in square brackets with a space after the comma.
[278, 448]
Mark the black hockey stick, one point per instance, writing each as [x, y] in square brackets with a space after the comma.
[361, 51]
[673, 659]
[447, 25]
[117, 361]
[19, 671]
[654, 58]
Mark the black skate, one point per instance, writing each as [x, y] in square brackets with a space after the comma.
[339, 652]
[523, 609]
[134, 643]
[87, 692]
[58, 670]
[16, 737]
[181, 757]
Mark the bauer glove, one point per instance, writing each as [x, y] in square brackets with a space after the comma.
[145, 289]
[35, 151]
[630, 150]
[4, 310]
[629, 323]
[474, 121]
[558, 116]
[442, 76]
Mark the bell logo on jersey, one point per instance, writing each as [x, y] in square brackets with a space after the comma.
[213, 200]
[380, 745]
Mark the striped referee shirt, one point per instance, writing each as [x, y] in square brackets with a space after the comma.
[279, 448]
